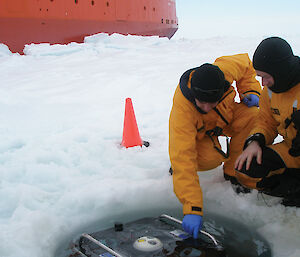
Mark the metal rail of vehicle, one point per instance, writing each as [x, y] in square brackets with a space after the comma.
[111, 251]
[201, 231]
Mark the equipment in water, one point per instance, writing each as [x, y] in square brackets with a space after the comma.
[60, 22]
[147, 237]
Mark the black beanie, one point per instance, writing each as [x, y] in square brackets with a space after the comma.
[208, 83]
[275, 57]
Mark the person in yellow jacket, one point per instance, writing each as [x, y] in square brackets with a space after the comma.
[204, 108]
[275, 168]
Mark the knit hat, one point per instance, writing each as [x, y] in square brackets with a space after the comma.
[275, 57]
[208, 83]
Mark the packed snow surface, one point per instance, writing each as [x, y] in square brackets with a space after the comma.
[61, 121]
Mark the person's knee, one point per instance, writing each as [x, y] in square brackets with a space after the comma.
[209, 159]
[208, 164]
[255, 170]
[249, 178]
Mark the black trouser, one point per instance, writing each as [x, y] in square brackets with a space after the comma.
[262, 176]
[285, 185]
[270, 161]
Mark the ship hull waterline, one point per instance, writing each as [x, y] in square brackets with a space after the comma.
[26, 31]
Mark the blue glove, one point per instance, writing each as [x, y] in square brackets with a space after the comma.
[251, 100]
[191, 224]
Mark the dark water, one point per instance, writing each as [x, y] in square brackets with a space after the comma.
[238, 239]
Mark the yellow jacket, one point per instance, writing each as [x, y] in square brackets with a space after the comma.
[273, 112]
[187, 126]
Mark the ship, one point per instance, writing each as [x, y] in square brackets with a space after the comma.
[24, 22]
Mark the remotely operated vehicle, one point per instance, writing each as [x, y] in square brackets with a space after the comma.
[162, 236]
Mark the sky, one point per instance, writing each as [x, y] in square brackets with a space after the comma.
[62, 169]
[198, 19]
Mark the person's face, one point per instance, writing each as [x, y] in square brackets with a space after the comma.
[267, 79]
[205, 106]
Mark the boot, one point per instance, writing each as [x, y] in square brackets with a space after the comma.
[285, 185]
[237, 187]
[291, 201]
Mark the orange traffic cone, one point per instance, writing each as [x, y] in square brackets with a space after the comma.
[131, 135]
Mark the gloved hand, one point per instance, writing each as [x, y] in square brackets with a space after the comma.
[191, 224]
[251, 100]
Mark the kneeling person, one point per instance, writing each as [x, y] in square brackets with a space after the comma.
[275, 168]
[204, 108]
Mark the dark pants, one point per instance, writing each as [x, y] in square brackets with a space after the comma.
[264, 178]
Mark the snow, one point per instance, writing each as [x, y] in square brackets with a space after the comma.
[61, 121]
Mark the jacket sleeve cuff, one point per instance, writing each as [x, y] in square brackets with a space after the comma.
[192, 209]
[258, 137]
[253, 92]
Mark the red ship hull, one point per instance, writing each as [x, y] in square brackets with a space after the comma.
[59, 22]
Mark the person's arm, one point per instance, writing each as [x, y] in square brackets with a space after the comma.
[253, 148]
[263, 133]
[265, 123]
[183, 155]
[239, 68]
